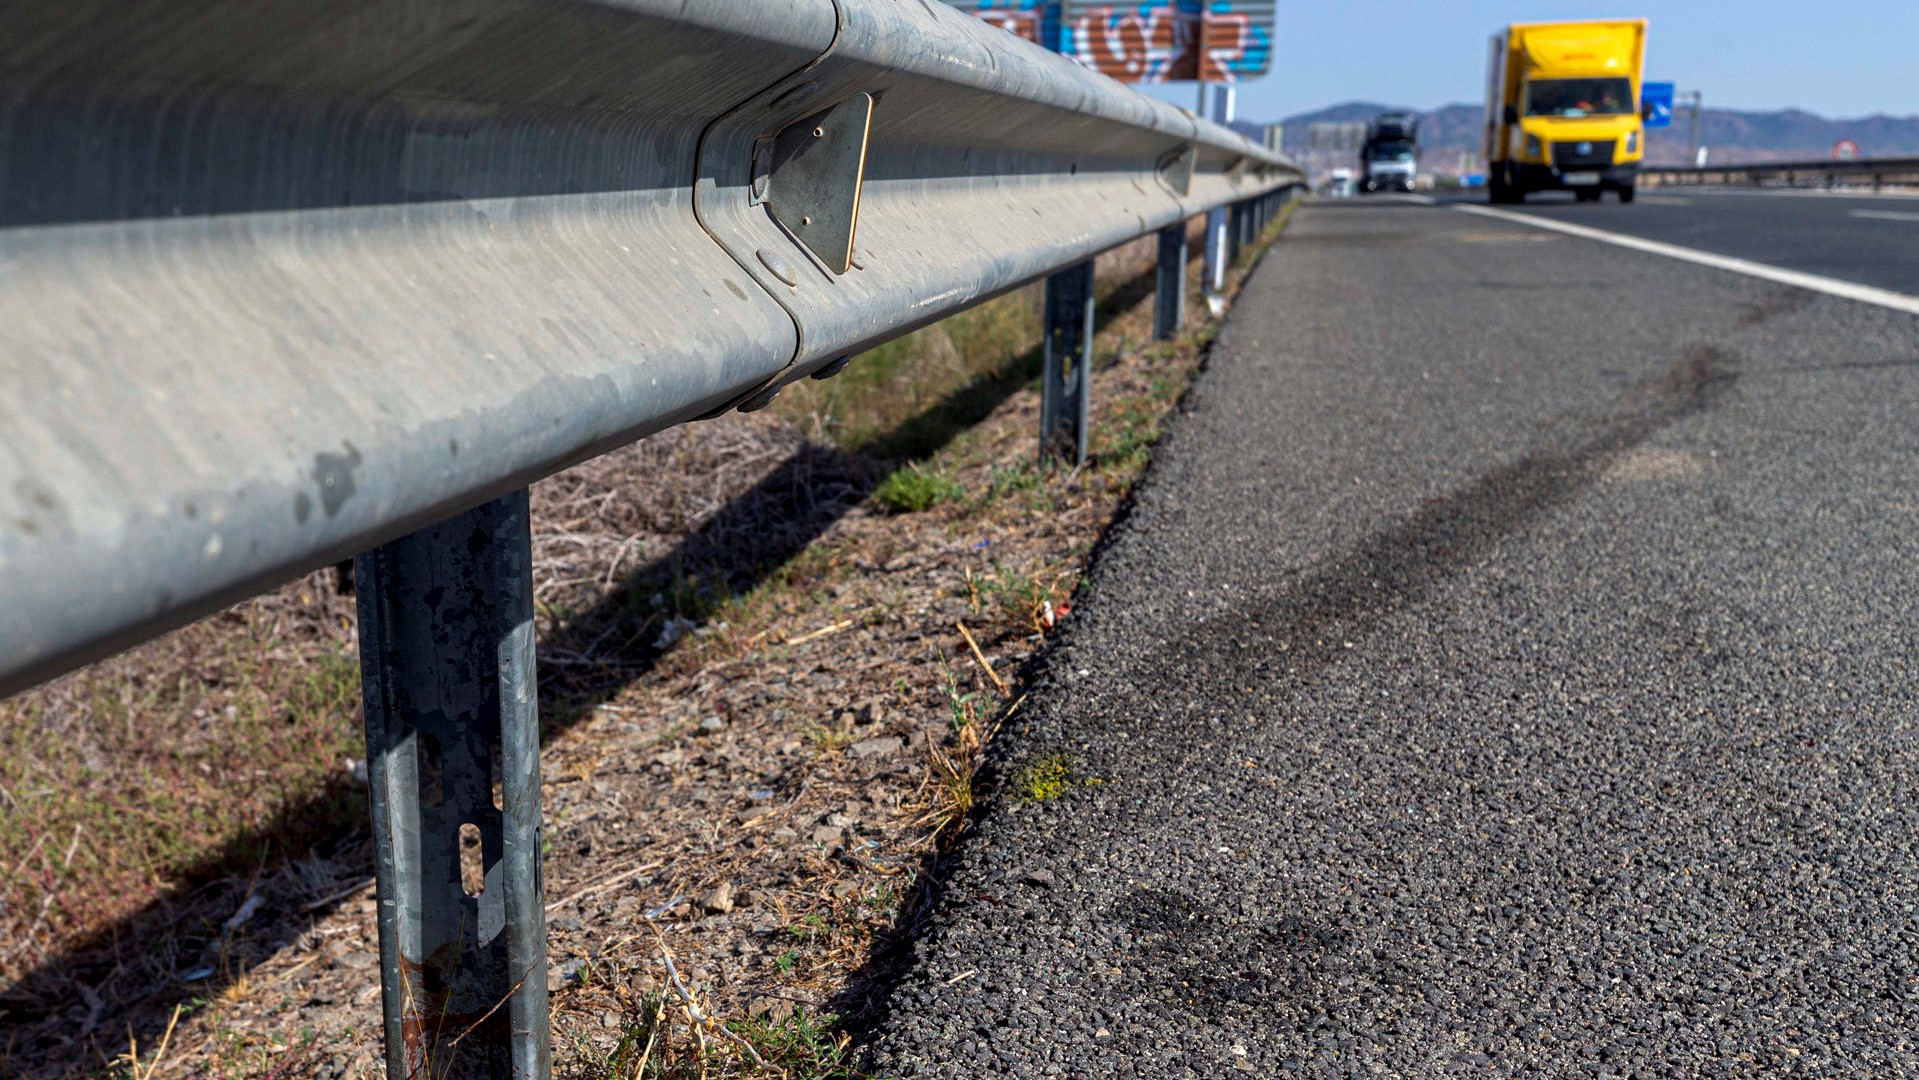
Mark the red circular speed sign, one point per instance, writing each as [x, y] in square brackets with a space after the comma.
[1845, 150]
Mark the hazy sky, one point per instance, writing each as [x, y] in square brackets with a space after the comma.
[1838, 58]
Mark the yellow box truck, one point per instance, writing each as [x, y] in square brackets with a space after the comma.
[1562, 109]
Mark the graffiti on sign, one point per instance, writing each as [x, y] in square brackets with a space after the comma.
[1238, 41]
[1024, 18]
[1146, 42]
[1139, 44]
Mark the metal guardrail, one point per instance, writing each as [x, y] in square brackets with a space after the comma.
[289, 282]
[1876, 172]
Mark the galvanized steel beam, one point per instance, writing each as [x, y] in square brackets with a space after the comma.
[285, 283]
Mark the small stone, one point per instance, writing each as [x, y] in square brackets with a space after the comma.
[775, 1010]
[880, 746]
[565, 974]
[1102, 1033]
[841, 821]
[827, 835]
[712, 725]
[565, 922]
[610, 1019]
[1043, 878]
[720, 900]
[870, 713]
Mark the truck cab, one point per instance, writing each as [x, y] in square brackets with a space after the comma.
[1389, 160]
[1562, 109]
[1389, 166]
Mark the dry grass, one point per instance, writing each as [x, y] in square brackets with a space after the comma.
[734, 570]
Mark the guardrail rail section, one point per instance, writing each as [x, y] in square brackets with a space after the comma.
[290, 283]
[1878, 172]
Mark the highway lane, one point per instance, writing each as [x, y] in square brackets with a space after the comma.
[1507, 669]
[1864, 239]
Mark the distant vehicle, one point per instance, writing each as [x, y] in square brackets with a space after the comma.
[1389, 159]
[1341, 185]
[1562, 109]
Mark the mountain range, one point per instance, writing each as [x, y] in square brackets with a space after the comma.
[1731, 135]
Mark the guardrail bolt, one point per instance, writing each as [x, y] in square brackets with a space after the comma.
[1065, 384]
[1169, 295]
[453, 753]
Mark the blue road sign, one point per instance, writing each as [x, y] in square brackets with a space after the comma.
[1656, 99]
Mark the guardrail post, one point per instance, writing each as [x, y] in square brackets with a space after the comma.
[1215, 282]
[453, 754]
[1236, 236]
[1169, 290]
[1067, 377]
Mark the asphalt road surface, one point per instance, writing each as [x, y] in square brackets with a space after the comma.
[1868, 240]
[1508, 669]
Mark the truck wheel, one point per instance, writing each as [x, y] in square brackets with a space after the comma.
[1625, 194]
[1501, 193]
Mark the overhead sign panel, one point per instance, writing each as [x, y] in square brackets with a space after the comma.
[1146, 42]
[1655, 100]
[1335, 135]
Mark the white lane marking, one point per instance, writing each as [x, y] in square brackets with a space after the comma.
[1865, 294]
[1665, 200]
[1885, 215]
[1418, 200]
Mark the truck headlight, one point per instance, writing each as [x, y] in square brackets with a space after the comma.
[1632, 142]
[1533, 148]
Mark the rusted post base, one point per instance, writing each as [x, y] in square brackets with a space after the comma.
[453, 752]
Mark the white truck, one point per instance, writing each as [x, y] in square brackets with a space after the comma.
[1389, 160]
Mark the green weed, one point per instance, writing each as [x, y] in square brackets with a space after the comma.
[915, 488]
[1043, 778]
[801, 1046]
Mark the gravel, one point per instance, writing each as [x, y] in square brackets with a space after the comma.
[1506, 671]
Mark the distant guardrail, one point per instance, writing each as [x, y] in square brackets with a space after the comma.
[286, 284]
[1874, 172]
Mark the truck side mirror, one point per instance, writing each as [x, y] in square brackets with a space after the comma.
[1645, 111]
[1510, 115]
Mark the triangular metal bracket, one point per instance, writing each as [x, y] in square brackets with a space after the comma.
[1176, 169]
[810, 176]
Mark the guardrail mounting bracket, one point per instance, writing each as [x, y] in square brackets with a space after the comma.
[810, 175]
[1176, 170]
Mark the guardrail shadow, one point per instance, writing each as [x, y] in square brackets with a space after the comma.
[65, 1016]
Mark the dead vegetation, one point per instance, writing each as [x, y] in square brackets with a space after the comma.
[764, 697]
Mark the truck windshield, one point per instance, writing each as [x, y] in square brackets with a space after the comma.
[1392, 154]
[1579, 97]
